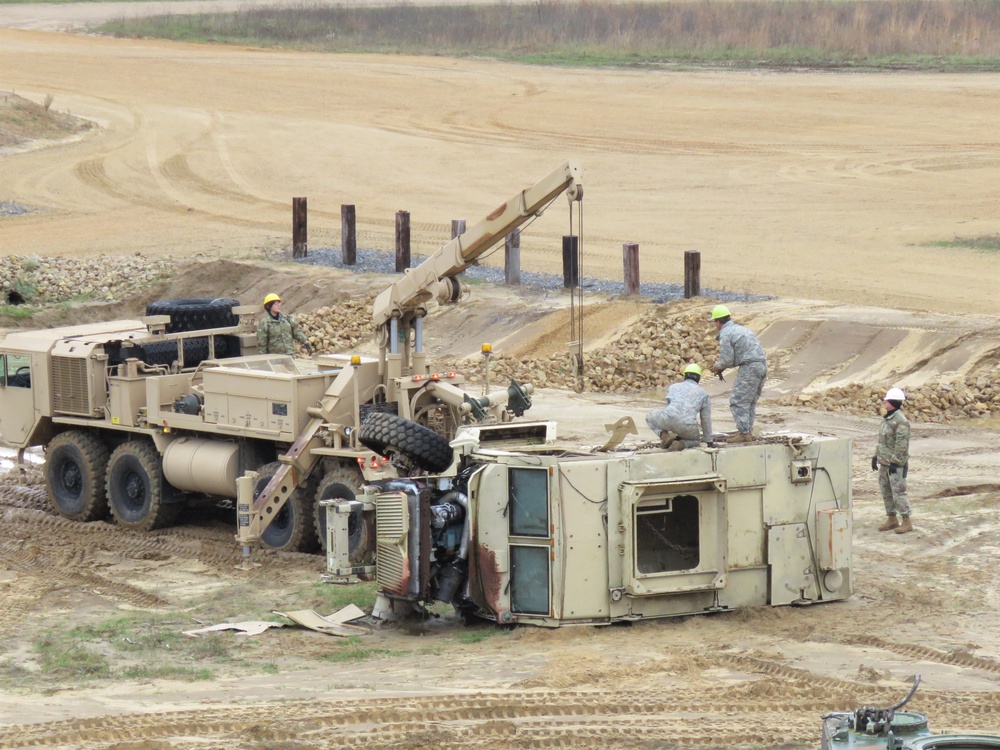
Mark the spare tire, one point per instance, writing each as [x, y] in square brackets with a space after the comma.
[389, 433]
[195, 313]
[195, 351]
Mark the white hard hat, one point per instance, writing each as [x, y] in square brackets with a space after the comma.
[895, 394]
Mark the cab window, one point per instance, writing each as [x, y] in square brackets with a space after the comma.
[15, 370]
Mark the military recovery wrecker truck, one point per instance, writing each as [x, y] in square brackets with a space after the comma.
[137, 415]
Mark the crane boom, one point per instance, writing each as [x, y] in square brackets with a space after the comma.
[434, 278]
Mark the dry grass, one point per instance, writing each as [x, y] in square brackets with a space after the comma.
[22, 120]
[918, 33]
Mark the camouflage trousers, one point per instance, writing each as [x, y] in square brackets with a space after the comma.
[746, 391]
[893, 488]
[660, 421]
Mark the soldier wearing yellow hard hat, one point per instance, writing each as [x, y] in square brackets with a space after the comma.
[676, 424]
[738, 347]
[277, 331]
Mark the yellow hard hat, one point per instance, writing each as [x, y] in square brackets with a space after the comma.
[272, 297]
[693, 368]
[720, 311]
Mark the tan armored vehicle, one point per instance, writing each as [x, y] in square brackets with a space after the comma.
[136, 415]
[522, 530]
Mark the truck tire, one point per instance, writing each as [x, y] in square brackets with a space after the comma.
[337, 484]
[195, 351]
[389, 433]
[135, 488]
[195, 313]
[294, 527]
[75, 465]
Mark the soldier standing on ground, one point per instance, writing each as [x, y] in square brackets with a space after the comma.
[677, 423]
[738, 347]
[276, 332]
[891, 460]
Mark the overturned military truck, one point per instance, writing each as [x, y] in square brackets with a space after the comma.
[522, 530]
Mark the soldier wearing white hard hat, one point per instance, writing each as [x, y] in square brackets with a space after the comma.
[891, 460]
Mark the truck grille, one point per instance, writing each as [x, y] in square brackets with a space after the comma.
[392, 564]
[70, 394]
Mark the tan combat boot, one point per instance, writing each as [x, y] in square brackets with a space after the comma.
[741, 437]
[667, 438]
[891, 522]
[905, 526]
[677, 445]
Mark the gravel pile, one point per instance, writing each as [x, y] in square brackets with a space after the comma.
[12, 209]
[377, 261]
[36, 280]
[975, 397]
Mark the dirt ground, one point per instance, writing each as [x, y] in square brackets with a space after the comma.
[822, 190]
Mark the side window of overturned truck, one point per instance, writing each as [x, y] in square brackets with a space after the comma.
[15, 370]
[530, 546]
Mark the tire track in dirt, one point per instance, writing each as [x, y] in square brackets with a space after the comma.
[925, 653]
[686, 716]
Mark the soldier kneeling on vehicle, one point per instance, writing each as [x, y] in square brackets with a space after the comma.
[676, 424]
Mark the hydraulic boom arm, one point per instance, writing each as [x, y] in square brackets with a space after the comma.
[435, 277]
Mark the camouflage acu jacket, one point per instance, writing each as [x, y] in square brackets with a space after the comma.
[275, 335]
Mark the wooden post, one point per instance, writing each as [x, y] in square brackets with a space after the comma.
[692, 274]
[571, 263]
[402, 241]
[300, 228]
[630, 261]
[512, 258]
[348, 235]
[457, 227]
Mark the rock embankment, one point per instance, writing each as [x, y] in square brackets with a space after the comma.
[36, 280]
[975, 397]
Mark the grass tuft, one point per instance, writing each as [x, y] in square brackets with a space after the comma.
[987, 243]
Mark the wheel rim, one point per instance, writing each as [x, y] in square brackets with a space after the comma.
[71, 479]
[283, 519]
[135, 490]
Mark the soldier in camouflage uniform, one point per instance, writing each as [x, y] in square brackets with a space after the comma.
[677, 423]
[276, 332]
[738, 347]
[891, 460]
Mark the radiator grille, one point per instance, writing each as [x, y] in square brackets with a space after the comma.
[70, 394]
[392, 564]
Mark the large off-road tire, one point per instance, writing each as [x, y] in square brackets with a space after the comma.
[75, 464]
[195, 351]
[337, 484]
[294, 527]
[389, 433]
[195, 313]
[135, 488]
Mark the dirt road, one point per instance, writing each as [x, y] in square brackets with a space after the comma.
[827, 186]
[797, 185]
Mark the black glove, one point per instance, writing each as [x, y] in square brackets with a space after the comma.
[309, 349]
[892, 468]
[874, 463]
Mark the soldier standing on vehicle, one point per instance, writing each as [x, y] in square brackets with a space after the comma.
[276, 332]
[891, 460]
[677, 423]
[738, 347]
